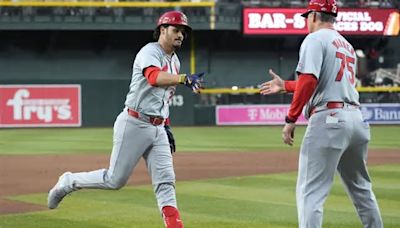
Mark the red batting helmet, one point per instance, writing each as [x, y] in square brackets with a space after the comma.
[324, 6]
[174, 18]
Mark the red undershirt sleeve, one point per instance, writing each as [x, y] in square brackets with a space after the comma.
[305, 87]
[290, 86]
[151, 74]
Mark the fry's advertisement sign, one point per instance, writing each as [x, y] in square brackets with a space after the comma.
[40, 106]
[349, 21]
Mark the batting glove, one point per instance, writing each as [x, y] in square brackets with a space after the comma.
[193, 81]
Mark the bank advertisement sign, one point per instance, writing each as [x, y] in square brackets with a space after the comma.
[275, 114]
[257, 21]
[381, 113]
[40, 106]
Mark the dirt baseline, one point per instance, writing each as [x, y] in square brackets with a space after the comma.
[38, 173]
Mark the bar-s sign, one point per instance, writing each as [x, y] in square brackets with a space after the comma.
[40, 106]
[273, 21]
[270, 21]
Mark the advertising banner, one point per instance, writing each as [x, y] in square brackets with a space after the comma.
[40, 106]
[253, 115]
[381, 113]
[275, 114]
[275, 21]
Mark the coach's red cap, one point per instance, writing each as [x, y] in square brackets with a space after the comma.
[324, 6]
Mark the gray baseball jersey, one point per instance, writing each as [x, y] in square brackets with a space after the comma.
[335, 139]
[143, 97]
[330, 57]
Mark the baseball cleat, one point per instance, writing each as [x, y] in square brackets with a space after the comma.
[171, 217]
[59, 191]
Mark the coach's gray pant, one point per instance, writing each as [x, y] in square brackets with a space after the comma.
[328, 147]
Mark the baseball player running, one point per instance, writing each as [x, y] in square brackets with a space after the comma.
[139, 130]
[336, 137]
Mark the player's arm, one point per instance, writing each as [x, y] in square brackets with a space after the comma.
[156, 77]
[304, 89]
[289, 86]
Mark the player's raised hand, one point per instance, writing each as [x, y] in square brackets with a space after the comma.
[276, 85]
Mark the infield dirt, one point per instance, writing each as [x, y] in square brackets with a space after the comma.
[38, 173]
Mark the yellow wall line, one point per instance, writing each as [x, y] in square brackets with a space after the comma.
[108, 4]
[192, 55]
[255, 91]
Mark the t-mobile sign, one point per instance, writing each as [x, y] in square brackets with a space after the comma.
[40, 105]
[253, 115]
[349, 21]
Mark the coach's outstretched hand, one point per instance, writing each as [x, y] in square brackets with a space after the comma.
[276, 85]
[193, 81]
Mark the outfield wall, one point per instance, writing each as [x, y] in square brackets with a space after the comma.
[101, 61]
[97, 103]
[275, 114]
[101, 102]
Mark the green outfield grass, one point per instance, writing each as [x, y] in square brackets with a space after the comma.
[204, 139]
[253, 201]
[238, 202]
